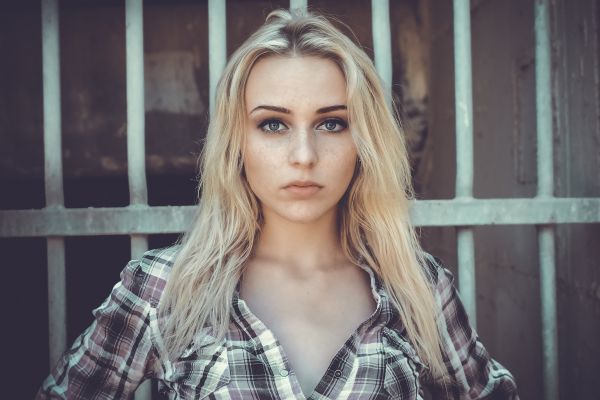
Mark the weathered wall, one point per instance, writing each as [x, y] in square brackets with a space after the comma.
[508, 308]
[577, 168]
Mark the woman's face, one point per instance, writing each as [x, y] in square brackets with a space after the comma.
[299, 153]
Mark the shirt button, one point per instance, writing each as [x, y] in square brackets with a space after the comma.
[283, 372]
[337, 373]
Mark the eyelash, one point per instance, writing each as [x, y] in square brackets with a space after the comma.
[262, 126]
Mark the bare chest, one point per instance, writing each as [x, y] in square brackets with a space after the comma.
[312, 321]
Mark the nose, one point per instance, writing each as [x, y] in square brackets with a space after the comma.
[302, 148]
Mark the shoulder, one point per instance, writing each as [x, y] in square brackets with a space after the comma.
[147, 277]
[440, 277]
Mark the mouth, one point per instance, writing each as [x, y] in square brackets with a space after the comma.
[303, 184]
[302, 188]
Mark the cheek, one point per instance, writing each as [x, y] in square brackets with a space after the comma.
[251, 169]
[258, 162]
[346, 163]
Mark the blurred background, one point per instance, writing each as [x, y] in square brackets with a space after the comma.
[94, 145]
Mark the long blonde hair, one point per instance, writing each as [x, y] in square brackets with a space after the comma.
[373, 215]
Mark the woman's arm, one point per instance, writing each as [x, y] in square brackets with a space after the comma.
[114, 354]
[474, 373]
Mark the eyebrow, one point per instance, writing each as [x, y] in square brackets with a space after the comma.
[284, 110]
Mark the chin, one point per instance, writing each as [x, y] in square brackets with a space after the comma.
[303, 219]
[304, 215]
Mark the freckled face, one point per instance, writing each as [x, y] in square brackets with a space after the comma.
[299, 154]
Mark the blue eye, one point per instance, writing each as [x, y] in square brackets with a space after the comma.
[271, 126]
[330, 125]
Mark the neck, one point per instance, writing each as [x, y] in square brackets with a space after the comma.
[307, 246]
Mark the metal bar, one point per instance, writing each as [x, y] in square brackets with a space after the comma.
[53, 177]
[175, 219]
[382, 43]
[545, 189]
[139, 245]
[298, 4]
[548, 300]
[543, 96]
[136, 148]
[478, 212]
[466, 271]
[463, 99]
[217, 45]
[464, 150]
[95, 221]
[57, 294]
[52, 110]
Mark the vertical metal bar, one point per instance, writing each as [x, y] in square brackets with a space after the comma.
[545, 189]
[217, 45]
[52, 110]
[463, 98]
[298, 4]
[464, 150]
[57, 293]
[382, 43]
[545, 171]
[139, 245]
[53, 177]
[548, 300]
[136, 147]
[466, 271]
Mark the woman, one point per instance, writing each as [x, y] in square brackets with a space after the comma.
[301, 276]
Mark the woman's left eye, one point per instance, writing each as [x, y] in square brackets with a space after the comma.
[331, 124]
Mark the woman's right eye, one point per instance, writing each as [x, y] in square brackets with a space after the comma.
[272, 126]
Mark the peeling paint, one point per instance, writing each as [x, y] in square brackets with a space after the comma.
[111, 164]
[171, 83]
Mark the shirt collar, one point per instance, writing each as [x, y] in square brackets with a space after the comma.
[382, 315]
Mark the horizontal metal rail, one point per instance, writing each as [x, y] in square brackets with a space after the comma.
[174, 219]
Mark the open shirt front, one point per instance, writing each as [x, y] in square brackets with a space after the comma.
[123, 346]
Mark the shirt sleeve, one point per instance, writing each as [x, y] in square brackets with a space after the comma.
[112, 356]
[474, 374]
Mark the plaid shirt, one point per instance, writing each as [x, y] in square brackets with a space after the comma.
[123, 346]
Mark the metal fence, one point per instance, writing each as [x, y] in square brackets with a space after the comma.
[463, 212]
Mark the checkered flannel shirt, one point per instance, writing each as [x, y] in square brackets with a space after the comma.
[123, 346]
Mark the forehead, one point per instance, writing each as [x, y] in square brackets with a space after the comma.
[293, 81]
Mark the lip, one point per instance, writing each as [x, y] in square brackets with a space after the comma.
[303, 184]
[302, 189]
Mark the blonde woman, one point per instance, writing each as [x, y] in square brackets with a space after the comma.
[301, 276]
